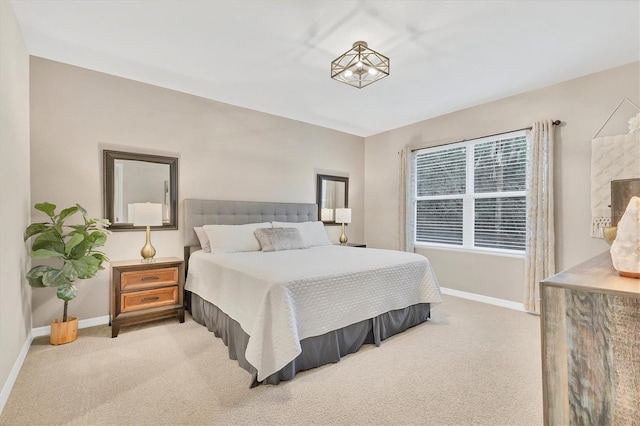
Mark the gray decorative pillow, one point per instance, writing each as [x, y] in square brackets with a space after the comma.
[276, 239]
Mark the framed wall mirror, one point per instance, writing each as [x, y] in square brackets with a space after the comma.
[139, 178]
[332, 193]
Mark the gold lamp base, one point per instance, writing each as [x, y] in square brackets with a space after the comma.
[343, 237]
[148, 251]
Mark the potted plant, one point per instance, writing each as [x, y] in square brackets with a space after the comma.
[72, 250]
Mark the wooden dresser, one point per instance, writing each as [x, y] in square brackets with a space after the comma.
[590, 329]
[142, 292]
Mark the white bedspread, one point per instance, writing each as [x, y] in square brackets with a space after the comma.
[280, 298]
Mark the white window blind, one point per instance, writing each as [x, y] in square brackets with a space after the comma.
[442, 172]
[472, 194]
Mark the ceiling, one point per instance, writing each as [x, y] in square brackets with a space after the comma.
[274, 55]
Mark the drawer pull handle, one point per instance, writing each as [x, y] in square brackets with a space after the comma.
[148, 299]
[153, 277]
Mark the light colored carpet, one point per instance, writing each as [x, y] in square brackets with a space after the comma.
[472, 363]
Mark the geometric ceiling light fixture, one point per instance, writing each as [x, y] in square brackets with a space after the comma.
[360, 66]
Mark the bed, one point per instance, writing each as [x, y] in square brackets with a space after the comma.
[284, 311]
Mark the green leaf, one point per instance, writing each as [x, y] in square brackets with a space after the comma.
[34, 229]
[67, 292]
[101, 257]
[50, 240]
[34, 276]
[80, 250]
[56, 277]
[47, 208]
[82, 210]
[74, 241]
[69, 271]
[85, 267]
[45, 254]
[101, 223]
[67, 212]
[50, 234]
[58, 227]
[97, 238]
[56, 246]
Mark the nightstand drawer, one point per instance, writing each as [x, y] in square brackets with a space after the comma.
[136, 280]
[148, 299]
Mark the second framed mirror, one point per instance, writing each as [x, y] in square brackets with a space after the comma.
[332, 193]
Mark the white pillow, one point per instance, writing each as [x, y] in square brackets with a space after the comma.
[202, 237]
[234, 238]
[312, 233]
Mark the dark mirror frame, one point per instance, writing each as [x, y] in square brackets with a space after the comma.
[109, 158]
[322, 178]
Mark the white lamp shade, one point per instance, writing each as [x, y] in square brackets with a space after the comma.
[326, 215]
[147, 214]
[343, 215]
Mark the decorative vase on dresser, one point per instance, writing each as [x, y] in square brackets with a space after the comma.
[143, 292]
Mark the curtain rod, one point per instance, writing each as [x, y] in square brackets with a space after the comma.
[554, 122]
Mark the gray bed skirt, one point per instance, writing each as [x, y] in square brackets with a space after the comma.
[317, 350]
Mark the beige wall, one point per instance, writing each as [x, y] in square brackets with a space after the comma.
[582, 104]
[225, 152]
[15, 294]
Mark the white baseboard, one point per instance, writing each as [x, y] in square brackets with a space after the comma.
[37, 332]
[484, 299]
[13, 375]
[91, 322]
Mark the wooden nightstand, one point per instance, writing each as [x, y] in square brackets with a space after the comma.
[142, 292]
[354, 245]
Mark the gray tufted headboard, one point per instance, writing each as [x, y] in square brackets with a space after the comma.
[222, 212]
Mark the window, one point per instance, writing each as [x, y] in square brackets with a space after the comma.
[472, 194]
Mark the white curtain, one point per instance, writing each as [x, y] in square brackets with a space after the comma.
[406, 215]
[540, 242]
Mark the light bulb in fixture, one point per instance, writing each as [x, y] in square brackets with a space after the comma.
[353, 67]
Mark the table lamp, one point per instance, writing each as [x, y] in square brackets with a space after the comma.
[343, 216]
[147, 214]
